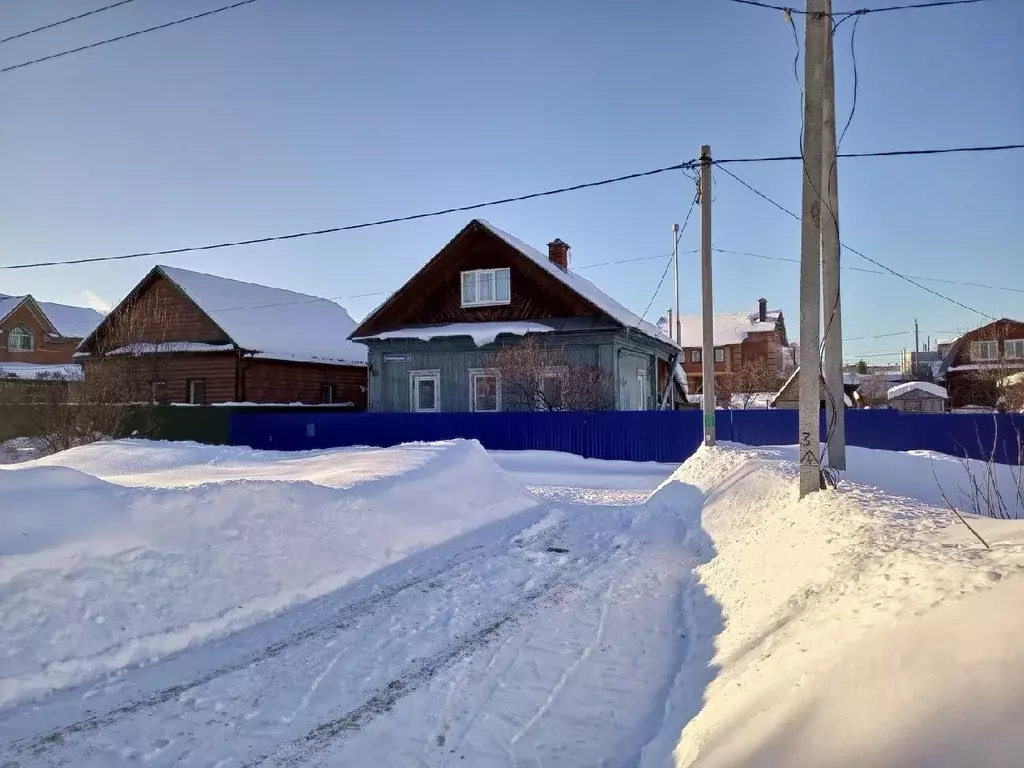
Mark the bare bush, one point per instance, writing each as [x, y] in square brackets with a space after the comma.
[66, 410]
[536, 377]
[873, 389]
[755, 377]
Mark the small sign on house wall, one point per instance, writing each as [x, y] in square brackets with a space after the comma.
[397, 358]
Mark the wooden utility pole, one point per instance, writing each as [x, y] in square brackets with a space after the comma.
[678, 327]
[706, 306]
[810, 248]
[835, 414]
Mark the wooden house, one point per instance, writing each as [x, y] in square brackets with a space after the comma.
[204, 339]
[976, 362]
[39, 338]
[433, 343]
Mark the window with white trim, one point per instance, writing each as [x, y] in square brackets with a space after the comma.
[197, 391]
[694, 355]
[719, 355]
[484, 391]
[21, 339]
[1014, 349]
[425, 391]
[486, 287]
[984, 350]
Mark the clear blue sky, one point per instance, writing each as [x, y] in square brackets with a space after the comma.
[296, 114]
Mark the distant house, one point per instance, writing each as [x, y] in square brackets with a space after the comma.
[207, 339]
[918, 397]
[975, 363]
[789, 395]
[38, 338]
[741, 339]
[434, 343]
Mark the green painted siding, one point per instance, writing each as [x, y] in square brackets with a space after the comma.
[393, 360]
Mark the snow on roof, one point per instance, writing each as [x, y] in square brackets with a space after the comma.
[924, 386]
[481, 333]
[71, 322]
[582, 286]
[730, 327]
[279, 323]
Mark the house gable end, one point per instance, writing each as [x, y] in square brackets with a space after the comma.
[998, 330]
[433, 296]
[155, 311]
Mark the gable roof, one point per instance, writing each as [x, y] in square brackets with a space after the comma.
[730, 327]
[924, 386]
[272, 322]
[580, 286]
[68, 321]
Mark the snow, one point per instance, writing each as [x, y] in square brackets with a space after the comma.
[70, 322]
[481, 333]
[1013, 380]
[862, 626]
[40, 370]
[279, 323]
[147, 348]
[922, 386]
[589, 612]
[122, 552]
[729, 327]
[583, 287]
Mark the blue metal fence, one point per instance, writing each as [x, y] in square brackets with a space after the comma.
[670, 436]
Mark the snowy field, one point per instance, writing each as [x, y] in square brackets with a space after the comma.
[436, 605]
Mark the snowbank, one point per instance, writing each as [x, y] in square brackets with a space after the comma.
[860, 627]
[97, 575]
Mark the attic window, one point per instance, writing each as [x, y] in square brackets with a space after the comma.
[21, 339]
[485, 287]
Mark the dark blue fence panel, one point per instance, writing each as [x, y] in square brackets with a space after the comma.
[631, 436]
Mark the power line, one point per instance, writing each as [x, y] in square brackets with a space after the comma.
[64, 21]
[862, 11]
[690, 164]
[866, 271]
[138, 32]
[865, 257]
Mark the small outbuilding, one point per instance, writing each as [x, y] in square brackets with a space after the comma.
[918, 397]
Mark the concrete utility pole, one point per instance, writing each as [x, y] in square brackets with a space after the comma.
[835, 414]
[810, 248]
[917, 337]
[706, 308]
[678, 327]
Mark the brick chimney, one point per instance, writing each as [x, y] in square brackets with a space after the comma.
[558, 254]
[762, 310]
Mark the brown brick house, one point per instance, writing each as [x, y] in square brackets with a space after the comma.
[203, 339]
[40, 337]
[979, 359]
[740, 339]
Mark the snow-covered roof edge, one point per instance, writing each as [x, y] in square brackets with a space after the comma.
[582, 287]
[924, 386]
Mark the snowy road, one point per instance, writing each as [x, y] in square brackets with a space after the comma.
[552, 637]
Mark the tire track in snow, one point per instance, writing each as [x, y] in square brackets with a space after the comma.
[315, 744]
[345, 618]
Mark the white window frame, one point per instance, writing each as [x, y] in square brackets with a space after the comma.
[695, 356]
[474, 374]
[31, 339]
[977, 346]
[643, 389]
[414, 376]
[476, 275]
[719, 354]
[1018, 354]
